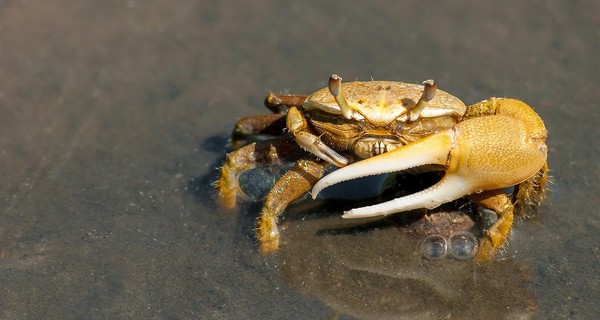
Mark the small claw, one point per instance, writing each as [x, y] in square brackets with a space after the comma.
[315, 146]
[298, 125]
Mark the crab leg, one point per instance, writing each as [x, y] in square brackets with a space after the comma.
[280, 103]
[497, 234]
[288, 188]
[264, 124]
[481, 153]
[248, 157]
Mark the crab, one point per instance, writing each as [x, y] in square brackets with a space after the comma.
[378, 127]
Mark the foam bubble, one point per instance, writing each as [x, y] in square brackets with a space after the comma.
[434, 247]
[463, 246]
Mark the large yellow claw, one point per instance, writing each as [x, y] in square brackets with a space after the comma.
[480, 153]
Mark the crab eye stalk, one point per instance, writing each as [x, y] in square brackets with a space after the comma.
[335, 88]
[428, 93]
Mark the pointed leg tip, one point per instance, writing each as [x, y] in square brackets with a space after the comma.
[486, 251]
[227, 201]
[268, 247]
[268, 243]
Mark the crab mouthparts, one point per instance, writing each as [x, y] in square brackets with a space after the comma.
[434, 149]
[372, 145]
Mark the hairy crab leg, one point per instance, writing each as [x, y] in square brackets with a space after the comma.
[497, 234]
[249, 157]
[293, 184]
[531, 192]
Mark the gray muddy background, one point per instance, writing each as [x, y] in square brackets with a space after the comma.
[115, 114]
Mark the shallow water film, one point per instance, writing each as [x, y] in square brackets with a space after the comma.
[114, 116]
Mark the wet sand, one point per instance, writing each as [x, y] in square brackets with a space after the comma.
[115, 114]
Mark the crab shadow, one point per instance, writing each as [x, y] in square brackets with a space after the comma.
[362, 268]
[420, 222]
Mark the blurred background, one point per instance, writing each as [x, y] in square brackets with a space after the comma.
[114, 116]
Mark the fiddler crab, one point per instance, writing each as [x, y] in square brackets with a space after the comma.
[376, 127]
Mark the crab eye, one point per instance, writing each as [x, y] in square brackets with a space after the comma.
[429, 89]
[335, 88]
